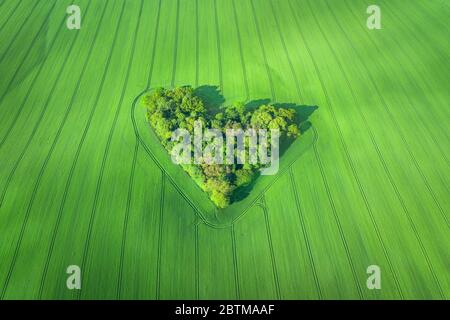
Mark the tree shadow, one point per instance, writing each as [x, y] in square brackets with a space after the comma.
[17, 64]
[211, 97]
[255, 104]
[243, 192]
[303, 113]
[214, 100]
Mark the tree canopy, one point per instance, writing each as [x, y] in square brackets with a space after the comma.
[180, 108]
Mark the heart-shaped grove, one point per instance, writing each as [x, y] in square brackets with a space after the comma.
[175, 126]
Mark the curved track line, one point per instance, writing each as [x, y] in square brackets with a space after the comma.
[417, 39]
[429, 132]
[241, 52]
[160, 231]
[341, 232]
[133, 163]
[180, 191]
[422, 175]
[197, 263]
[18, 32]
[161, 220]
[85, 132]
[28, 52]
[263, 205]
[412, 80]
[41, 67]
[118, 111]
[44, 165]
[427, 11]
[128, 206]
[320, 164]
[175, 55]
[113, 127]
[235, 263]
[153, 157]
[219, 53]
[37, 124]
[350, 160]
[197, 67]
[258, 31]
[125, 223]
[247, 92]
[412, 156]
[196, 208]
[410, 31]
[36, 186]
[305, 234]
[63, 200]
[304, 230]
[410, 77]
[344, 241]
[158, 17]
[163, 172]
[197, 45]
[11, 14]
[291, 65]
[273, 97]
[360, 185]
[188, 200]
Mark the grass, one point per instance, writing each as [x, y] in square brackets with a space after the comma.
[78, 188]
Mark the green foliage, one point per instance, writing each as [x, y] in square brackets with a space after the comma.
[243, 177]
[171, 109]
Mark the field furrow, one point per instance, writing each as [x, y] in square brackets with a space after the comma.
[80, 185]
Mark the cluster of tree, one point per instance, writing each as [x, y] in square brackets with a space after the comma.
[180, 108]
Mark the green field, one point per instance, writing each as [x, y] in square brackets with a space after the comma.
[77, 186]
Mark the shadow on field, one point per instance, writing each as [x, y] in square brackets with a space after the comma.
[255, 104]
[21, 55]
[213, 100]
[303, 112]
[211, 96]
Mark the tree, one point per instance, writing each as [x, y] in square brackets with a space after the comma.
[293, 131]
[220, 200]
[243, 177]
[180, 108]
